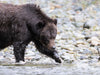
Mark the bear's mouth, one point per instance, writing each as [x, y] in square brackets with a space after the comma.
[45, 45]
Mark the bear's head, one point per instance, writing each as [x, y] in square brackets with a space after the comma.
[47, 33]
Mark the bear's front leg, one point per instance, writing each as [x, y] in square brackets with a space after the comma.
[19, 51]
[51, 53]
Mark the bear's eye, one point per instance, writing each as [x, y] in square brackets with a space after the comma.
[40, 25]
[45, 40]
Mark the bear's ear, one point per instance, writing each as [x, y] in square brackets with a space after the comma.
[55, 21]
[40, 25]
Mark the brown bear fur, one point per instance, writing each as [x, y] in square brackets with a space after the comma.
[20, 24]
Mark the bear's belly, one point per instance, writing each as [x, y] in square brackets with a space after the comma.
[5, 40]
[4, 44]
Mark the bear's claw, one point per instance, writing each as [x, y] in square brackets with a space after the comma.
[56, 57]
[58, 60]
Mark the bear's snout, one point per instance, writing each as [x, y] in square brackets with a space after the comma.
[54, 47]
[51, 44]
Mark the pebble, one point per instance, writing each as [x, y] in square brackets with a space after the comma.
[95, 41]
[68, 47]
[93, 50]
[90, 23]
[69, 58]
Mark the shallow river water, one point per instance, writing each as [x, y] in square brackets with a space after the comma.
[50, 69]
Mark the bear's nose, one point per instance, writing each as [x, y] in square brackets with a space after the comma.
[53, 47]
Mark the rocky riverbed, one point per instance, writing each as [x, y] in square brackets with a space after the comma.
[78, 40]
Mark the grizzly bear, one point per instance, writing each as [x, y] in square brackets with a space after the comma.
[20, 24]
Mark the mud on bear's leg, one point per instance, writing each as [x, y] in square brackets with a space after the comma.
[51, 53]
[19, 51]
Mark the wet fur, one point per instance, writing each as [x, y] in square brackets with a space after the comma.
[18, 26]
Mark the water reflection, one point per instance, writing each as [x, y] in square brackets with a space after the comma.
[49, 69]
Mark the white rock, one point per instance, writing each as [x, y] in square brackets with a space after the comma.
[21, 62]
[58, 37]
[79, 18]
[94, 51]
[79, 36]
[95, 41]
[80, 42]
[68, 47]
[68, 57]
[91, 22]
